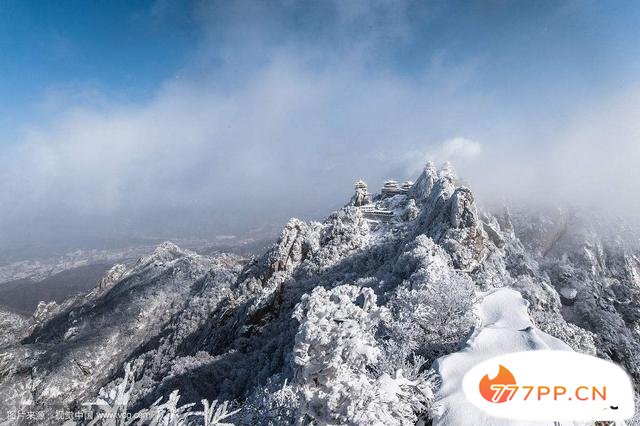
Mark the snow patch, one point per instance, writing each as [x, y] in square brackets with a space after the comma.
[504, 327]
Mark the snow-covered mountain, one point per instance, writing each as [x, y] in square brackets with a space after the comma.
[369, 317]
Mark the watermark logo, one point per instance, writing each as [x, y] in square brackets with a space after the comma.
[550, 385]
[501, 388]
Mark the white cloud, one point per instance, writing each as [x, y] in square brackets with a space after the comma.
[288, 139]
[257, 140]
[460, 149]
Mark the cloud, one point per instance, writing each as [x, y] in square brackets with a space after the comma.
[202, 158]
[599, 155]
[590, 162]
[264, 124]
[460, 149]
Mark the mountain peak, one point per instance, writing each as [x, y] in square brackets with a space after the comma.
[165, 252]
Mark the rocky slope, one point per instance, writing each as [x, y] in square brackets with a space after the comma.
[340, 322]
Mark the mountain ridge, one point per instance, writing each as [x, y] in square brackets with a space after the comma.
[390, 280]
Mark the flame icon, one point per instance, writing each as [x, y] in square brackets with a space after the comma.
[501, 388]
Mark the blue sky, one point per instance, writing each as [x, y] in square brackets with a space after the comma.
[163, 118]
[125, 49]
[115, 46]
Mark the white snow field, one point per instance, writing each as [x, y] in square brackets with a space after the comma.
[504, 327]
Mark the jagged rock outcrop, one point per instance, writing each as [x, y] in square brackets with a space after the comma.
[43, 311]
[297, 242]
[424, 184]
[113, 275]
[450, 216]
[361, 197]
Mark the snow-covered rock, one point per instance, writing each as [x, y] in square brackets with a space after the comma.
[113, 275]
[361, 196]
[422, 187]
[12, 327]
[44, 310]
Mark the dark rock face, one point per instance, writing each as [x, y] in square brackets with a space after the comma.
[223, 327]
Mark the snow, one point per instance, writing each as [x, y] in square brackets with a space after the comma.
[568, 293]
[504, 309]
[504, 327]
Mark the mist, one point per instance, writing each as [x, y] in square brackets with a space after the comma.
[281, 108]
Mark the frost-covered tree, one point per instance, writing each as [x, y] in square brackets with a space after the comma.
[422, 261]
[170, 413]
[214, 414]
[431, 310]
[276, 403]
[111, 408]
[432, 319]
[111, 405]
[336, 353]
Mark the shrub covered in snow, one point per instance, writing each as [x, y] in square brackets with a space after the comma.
[111, 408]
[336, 353]
[276, 403]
